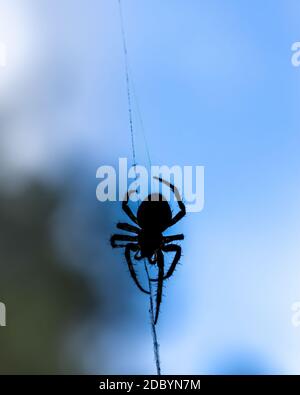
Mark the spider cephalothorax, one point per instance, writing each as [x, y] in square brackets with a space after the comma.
[153, 217]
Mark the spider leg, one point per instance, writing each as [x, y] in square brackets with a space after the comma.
[160, 264]
[127, 209]
[117, 237]
[177, 250]
[154, 260]
[171, 248]
[181, 205]
[133, 247]
[128, 227]
[168, 239]
[138, 256]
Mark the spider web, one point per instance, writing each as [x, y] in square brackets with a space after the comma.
[130, 85]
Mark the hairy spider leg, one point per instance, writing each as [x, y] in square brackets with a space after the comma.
[133, 247]
[160, 264]
[128, 227]
[117, 237]
[181, 205]
[127, 209]
[168, 239]
[170, 248]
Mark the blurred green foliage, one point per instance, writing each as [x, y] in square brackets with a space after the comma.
[46, 299]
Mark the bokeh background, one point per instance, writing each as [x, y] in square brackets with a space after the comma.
[216, 87]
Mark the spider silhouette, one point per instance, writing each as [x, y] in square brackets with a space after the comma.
[153, 217]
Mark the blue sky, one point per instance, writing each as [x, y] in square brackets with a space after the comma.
[216, 88]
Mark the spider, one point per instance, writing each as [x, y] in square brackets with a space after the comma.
[153, 217]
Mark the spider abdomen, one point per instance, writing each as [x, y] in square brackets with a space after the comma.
[154, 214]
[149, 242]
